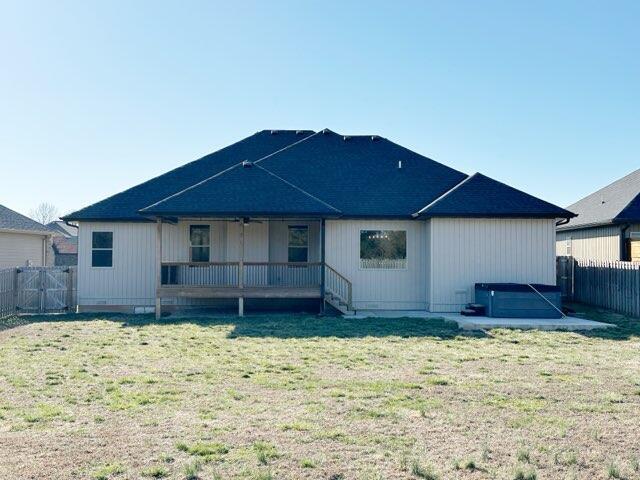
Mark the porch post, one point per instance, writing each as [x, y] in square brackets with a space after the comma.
[158, 267]
[241, 270]
[322, 266]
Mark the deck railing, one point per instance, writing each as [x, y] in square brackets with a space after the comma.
[254, 274]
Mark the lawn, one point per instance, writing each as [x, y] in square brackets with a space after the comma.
[120, 397]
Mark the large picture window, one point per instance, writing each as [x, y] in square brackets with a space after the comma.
[200, 243]
[386, 249]
[102, 249]
[298, 243]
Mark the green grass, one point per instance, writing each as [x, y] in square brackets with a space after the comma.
[286, 396]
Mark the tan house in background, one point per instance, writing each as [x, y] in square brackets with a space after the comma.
[23, 242]
[607, 226]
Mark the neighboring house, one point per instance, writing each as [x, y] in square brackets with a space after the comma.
[608, 224]
[358, 220]
[64, 243]
[23, 242]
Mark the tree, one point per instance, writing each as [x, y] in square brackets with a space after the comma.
[44, 213]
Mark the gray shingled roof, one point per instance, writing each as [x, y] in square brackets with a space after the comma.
[306, 173]
[12, 220]
[618, 202]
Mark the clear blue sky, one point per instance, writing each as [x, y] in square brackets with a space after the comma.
[99, 96]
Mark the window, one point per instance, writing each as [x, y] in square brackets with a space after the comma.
[298, 243]
[200, 243]
[102, 249]
[567, 246]
[383, 249]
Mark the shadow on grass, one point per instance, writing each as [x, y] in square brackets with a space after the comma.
[273, 325]
[626, 327]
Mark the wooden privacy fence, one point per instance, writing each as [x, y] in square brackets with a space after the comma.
[37, 290]
[612, 285]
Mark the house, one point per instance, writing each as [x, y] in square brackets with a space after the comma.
[607, 226]
[288, 215]
[23, 242]
[64, 243]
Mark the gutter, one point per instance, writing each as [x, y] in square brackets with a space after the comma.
[564, 221]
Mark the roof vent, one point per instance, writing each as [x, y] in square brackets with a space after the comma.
[325, 131]
[273, 132]
[346, 137]
[247, 164]
[375, 138]
[299, 132]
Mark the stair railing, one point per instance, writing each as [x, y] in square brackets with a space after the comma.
[338, 286]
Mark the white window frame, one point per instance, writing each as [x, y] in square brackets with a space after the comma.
[306, 247]
[113, 241]
[396, 269]
[192, 246]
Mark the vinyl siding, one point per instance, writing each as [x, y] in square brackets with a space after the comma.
[602, 243]
[131, 280]
[404, 289]
[16, 249]
[468, 251]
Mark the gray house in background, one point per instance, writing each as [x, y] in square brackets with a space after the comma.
[23, 241]
[607, 226]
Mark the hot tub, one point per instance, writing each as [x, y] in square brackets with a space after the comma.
[517, 300]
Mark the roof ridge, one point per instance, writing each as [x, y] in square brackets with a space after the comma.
[285, 148]
[299, 189]
[226, 170]
[445, 194]
[193, 186]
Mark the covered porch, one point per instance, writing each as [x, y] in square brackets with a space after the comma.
[244, 258]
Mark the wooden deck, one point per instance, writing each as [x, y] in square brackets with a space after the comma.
[203, 291]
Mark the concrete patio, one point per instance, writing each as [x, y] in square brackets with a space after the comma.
[483, 323]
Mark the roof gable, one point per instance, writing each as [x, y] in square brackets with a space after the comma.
[125, 205]
[12, 220]
[241, 190]
[617, 202]
[480, 196]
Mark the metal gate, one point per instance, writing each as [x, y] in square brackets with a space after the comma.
[45, 289]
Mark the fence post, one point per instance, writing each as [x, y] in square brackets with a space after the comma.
[16, 298]
[43, 291]
[69, 289]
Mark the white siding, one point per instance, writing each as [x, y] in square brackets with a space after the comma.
[16, 249]
[131, 280]
[466, 251]
[380, 289]
[602, 243]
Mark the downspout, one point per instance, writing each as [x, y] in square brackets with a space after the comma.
[623, 243]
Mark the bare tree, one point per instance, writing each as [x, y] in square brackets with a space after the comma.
[44, 213]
